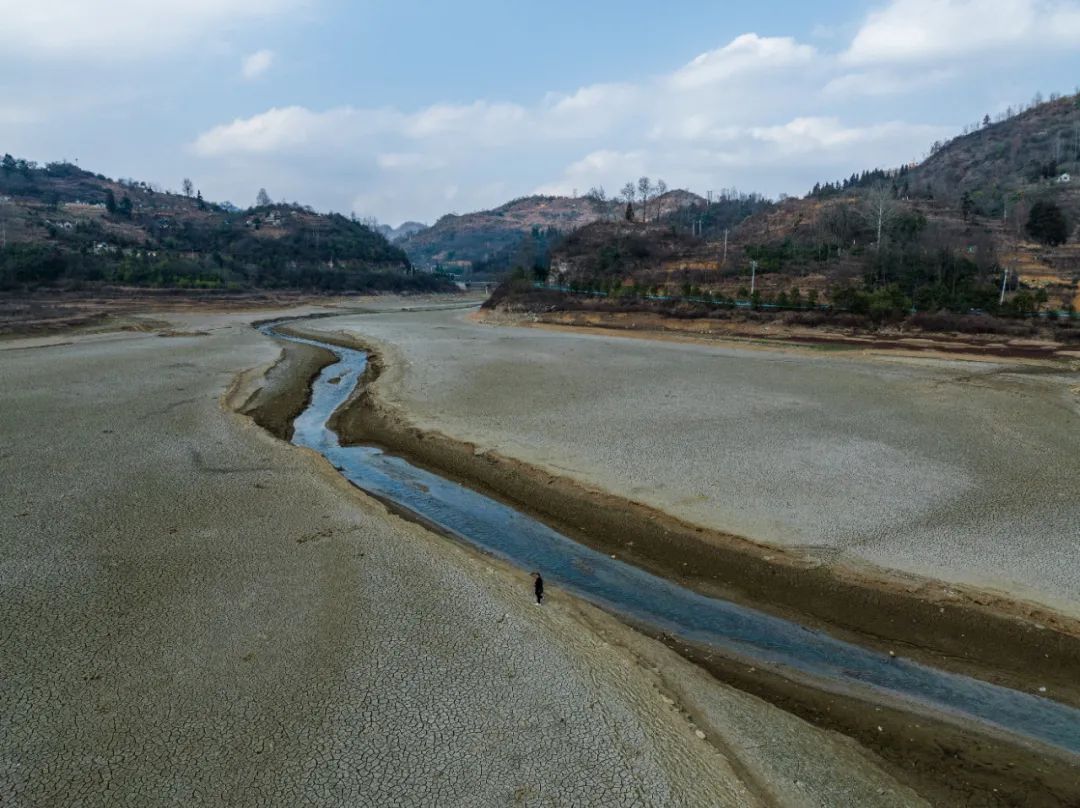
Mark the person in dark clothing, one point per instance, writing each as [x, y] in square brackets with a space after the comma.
[538, 587]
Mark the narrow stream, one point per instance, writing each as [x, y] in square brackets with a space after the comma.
[619, 587]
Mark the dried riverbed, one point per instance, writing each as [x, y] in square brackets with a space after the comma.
[193, 611]
[394, 438]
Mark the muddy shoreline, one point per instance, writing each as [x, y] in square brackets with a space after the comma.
[993, 639]
[275, 405]
[945, 763]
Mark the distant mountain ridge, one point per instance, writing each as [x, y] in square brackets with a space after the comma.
[401, 231]
[461, 241]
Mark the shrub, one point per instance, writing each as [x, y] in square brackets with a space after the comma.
[1046, 223]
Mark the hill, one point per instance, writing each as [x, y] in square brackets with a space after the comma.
[1000, 203]
[63, 226]
[494, 240]
[401, 231]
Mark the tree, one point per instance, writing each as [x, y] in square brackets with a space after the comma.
[645, 188]
[110, 200]
[880, 209]
[967, 205]
[1040, 299]
[1046, 223]
[8, 164]
[199, 201]
[986, 121]
[628, 193]
[124, 207]
[661, 189]
[629, 210]
[262, 199]
[188, 186]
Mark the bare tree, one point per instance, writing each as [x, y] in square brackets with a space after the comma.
[880, 208]
[262, 199]
[661, 189]
[840, 221]
[629, 192]
[645, 188]
[188, 186]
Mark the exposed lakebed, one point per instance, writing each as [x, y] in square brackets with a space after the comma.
[653, 601]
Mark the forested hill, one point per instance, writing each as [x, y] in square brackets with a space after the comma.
[997, 206]
[61, 225]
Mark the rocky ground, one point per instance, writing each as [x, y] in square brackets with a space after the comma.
[193, 612]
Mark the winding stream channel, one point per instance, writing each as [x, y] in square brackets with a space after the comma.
[656, 602]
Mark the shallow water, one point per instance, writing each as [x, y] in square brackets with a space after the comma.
[657, 602]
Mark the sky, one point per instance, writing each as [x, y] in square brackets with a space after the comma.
[407, 111]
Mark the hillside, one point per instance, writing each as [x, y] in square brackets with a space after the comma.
[401, 231]
[489, 240]
[63, 226]
[1001, 202]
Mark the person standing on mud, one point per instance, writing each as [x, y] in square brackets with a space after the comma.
[538, 587]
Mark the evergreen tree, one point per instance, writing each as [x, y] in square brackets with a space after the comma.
[1046, 223]
[967, 205]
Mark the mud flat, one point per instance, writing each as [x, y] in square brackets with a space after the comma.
[959, 472]
[993, 636]
[192, 611]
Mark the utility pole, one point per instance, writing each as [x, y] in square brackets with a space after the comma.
[724, 262]
[1004, 279]
[753, 276]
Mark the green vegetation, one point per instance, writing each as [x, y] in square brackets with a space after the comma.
[45, 265]
[130, 233]
[1046, 223]
[531, 253]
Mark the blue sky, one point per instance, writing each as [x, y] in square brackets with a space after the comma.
[402, 110]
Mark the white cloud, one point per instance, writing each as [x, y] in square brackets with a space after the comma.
[595, 169]
[408, 161]
[480, 120]
[257, 63]
[885, 82]
[818, 134]
[766, 113]
[119, 29]
[928, 30]
[291, 130]
[759, 158]
[745, 54]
